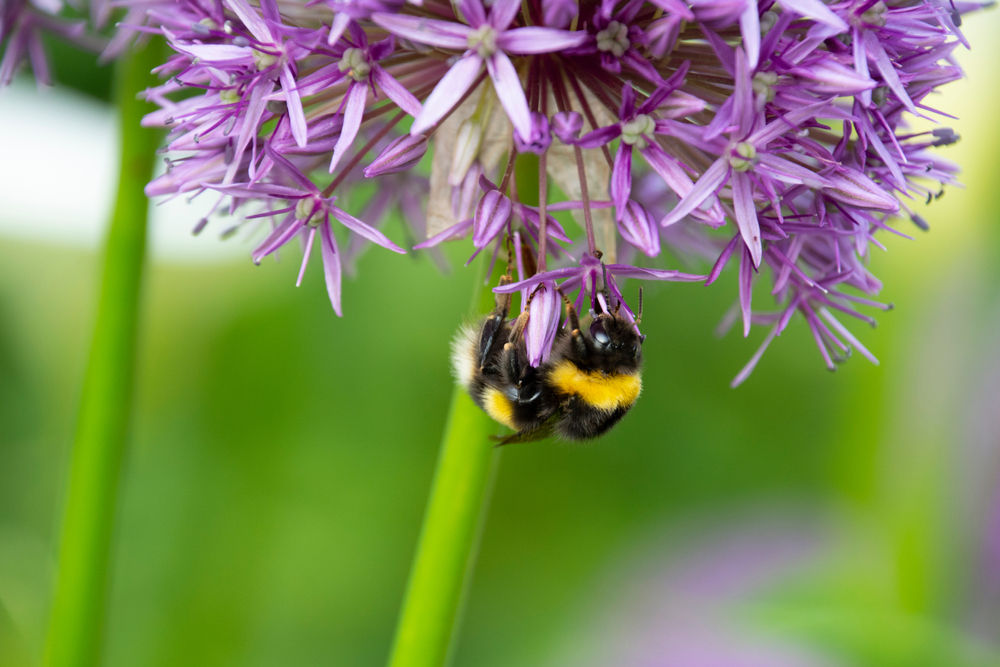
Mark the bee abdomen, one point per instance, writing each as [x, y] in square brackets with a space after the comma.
[582, 421]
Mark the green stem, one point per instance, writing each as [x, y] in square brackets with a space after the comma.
[453, 521]
[77, 622]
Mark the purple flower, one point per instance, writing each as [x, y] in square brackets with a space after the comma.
[543, 322]
[486, 40]
[307, 211]
[787, 120]
[359, 65]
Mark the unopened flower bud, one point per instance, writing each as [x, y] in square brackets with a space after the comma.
[850, 186]
[400, 155]
[540, 139]
[543, 322]
[492, 214]
[467, 143]
[638, 228]
[567, 125]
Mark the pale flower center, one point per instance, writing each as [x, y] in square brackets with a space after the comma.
[743, 156]
[875, 15]
[484, 41]
[263, 60]
[355, 64]
[763, 83]
[309, 211]
[229, 96]
[614, 38]
[633, 131]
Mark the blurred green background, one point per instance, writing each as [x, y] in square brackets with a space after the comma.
[281, 457]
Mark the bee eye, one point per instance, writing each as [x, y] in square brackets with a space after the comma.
[598, 333]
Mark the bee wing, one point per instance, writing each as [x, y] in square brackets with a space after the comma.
[540, 433]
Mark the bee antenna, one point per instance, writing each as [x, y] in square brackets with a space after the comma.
[638, 316]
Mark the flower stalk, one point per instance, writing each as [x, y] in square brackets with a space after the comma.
[456, 510]
[78, 611]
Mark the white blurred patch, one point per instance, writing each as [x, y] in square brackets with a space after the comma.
[59, 171]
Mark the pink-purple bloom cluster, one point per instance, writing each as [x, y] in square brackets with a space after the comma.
[768, 134]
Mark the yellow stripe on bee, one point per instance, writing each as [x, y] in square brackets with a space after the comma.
[499, 407]
[605, 392]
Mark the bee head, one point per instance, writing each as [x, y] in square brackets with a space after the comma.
[614, 343]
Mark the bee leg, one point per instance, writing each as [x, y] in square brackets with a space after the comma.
[579, 340]
[571, 316]
[495, 321]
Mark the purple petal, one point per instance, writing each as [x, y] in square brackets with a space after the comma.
[502, 13]
[340, 22]
[508, 88]
[720, 263]
[783, 124]
[533, 39]
[305, 255]
[251, 122]
[788, 171]
[365, 230]
[538, 278]
[599, 137]
[746, 214]
[627, 107]
[750, 29]
[748, 369]
[331, 267]
[457, 230]
[354, 111]
[886, 69]
[629, 271]
[861, 63]
[296, 117]
[447, 93]
[816, 10]
[395, 91]
[216, 53]
[252, 20]
[746, 289]
[474, 12]
[443, 34]
[743, 110]
[706, 186]
[620, 186]
[255, 190]
[278, 237]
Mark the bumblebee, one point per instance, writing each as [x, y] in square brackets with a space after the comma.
[590, 381]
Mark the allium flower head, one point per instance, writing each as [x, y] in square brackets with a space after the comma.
[769, 135]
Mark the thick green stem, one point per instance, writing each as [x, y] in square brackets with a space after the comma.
[77, 622]
[446, 550]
